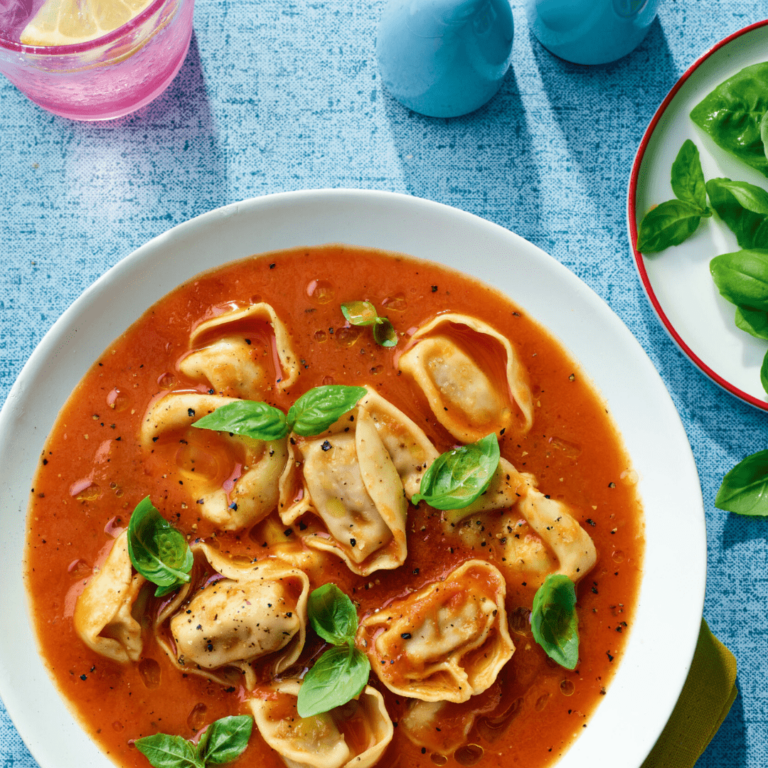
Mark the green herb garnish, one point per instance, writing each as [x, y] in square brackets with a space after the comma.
[248, 418]
[554, 622]
[317, 409]
[363, 313]
[311, 414]
[753, 322]
[157, 550]
[359, 313]
[341, 673]
[733, 114]
[742, 278]
[744, 489]
[744, 209]
[687, 178]
[674, 221]
[223, 742]
[458, 477]
[332, 615]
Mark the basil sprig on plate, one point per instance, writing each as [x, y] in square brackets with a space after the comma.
[674, 221]
[744, 489]
[742, 279]
[157, 550]
[341, 673]
[753, 322]
[554, 622]
[363, 313]
[311, 414]
[223, 742]
[733, 114]
[743, 208]
[458, 477]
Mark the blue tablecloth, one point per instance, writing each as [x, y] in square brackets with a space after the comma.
[278, 96]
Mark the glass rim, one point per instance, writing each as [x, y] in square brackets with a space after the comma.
[88, 45]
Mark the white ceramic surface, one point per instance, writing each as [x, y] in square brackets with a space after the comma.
[677, 279]
[666, 624]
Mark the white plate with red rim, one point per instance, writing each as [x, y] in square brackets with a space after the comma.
[677, 280]
[666, 625]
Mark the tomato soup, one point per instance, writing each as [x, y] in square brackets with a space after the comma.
[96, 468]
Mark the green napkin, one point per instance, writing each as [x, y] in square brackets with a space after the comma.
[707, 696]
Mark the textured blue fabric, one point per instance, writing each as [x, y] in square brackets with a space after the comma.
[281, 95]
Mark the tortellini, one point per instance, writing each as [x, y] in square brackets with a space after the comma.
[357, 478]
[353, 735]
[246, 613]
[441, 726]
[104, 617]
[446, 642]
[571, 549]
[227, 361]
[453, 359]
[229, 502]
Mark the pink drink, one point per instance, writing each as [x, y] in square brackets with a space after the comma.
[103, 78]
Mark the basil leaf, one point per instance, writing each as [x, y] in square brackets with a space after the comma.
[225, 740]
[248, 418]
[670, 223]
[687, 176]
[764, 133]
[742, 278]
[338, 676]
[359, 312]
[744, 208]
[384, 333]
[733, 112]
[332, 615]
[164, 751]
[554, 622]
[157, 550]
[764, 373]
[753, 322]
[458, 477]
[317, 409]
[744, 489]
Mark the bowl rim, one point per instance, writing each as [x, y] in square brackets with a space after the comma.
[666, 323]
[348, 206]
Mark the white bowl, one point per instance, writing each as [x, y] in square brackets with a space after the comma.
[663, 637]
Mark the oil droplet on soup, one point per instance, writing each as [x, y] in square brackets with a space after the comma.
[85, 490]
[320, 291]
[149, 670]
[117, 399]
[346, 337]
[396, 303]
[468, 754]
[197, 716]
[167, 381]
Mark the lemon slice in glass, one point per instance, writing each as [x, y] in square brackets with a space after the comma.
[68, 22]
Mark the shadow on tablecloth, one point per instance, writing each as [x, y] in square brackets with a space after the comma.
[479, 162]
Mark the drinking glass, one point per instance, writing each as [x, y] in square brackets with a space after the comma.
[104, 78]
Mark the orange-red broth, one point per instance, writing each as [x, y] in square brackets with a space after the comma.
[93, 473]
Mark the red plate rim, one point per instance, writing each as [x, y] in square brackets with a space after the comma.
[631, 219]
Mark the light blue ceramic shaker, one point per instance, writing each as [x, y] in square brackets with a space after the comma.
[591, 31]
[444, 58]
